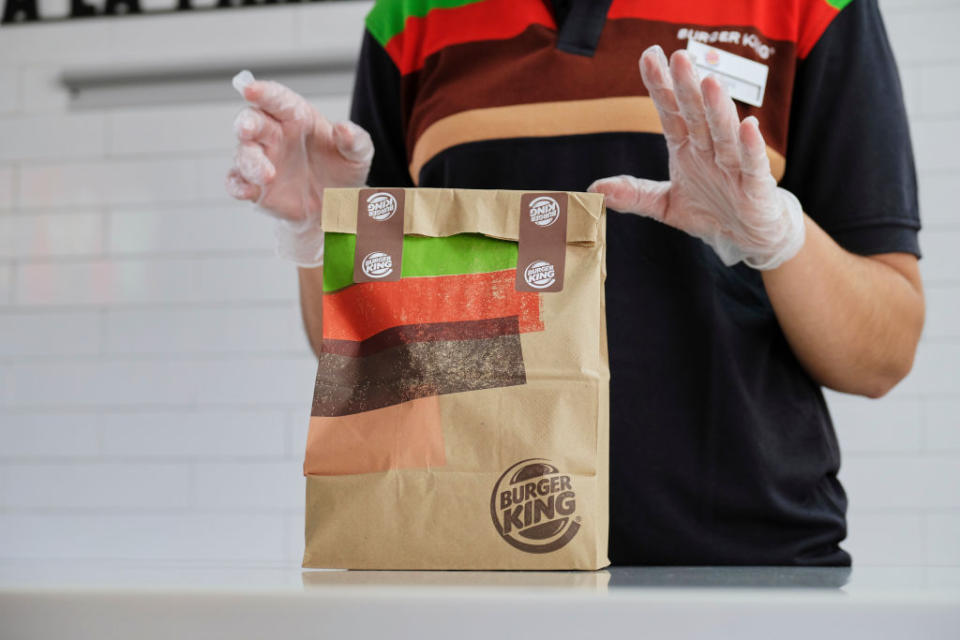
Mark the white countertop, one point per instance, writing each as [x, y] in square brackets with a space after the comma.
[144, 601]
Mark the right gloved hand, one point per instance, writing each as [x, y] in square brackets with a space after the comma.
[287, 154]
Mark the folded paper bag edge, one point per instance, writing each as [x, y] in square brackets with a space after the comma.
[584, 213]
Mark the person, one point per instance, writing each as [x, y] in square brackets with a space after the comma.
[757, 250]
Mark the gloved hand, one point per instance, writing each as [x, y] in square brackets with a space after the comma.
[720, 188]
[287, 154]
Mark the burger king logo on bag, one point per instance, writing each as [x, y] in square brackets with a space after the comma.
[381, 206]
[377, 264]
[544, 211]
[540, 274]
[533, 506]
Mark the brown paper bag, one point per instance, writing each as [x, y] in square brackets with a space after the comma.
[460, 417]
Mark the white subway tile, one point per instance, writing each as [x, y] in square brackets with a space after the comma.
[221, 33]
[157, 280]
[61, 136]
[884, 539]
[249, 381]
[299, 427]
[49, 333]
[97, 485]
[335, 108]
[923, 35]
[943, 311]
[933, 144]
[6, 187]
[942, 424]
[935, 370]
[201, 537]
[41, 235]
[889, 424]
[193, 433]
[242, 279]
[943, 539]
[105, 282]
[42, 90]
[212, 172]
[180, 129]
[277, 380]
[108, 182]
[228, 329]
[910, 81]
[905, 481]
[941, 260]
[51, 384]
[9, 90]
[231, 227]
[339, 23]
[52, 42]
[294, 534]
[939, 195]
[940, 94]
[6, 284]
[49, 434]
[259, 485]
[912, 5]
[216, 33]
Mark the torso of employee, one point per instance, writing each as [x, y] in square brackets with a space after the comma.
[722, 447]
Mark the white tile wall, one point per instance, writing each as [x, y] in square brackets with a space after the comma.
[64, 334]
[46, 235]
[6, 283]
[942, 424]
[46, 435]
[901, 480]
[7, 181]
[177, 129]
[234, 329]
[131, 534]
[885, 538]
[100, 182]
[154, 377]
[258, 485]
[937, 191]
[190, 229]
[52, 136]
[9, 90]
[96, 485]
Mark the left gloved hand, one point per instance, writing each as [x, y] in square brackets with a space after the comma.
[720, 188]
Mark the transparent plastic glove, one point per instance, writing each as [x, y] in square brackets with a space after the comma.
[287, 153]
[720, 188]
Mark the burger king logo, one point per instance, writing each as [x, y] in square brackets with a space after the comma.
[381, 206]
[544, 211]
[377, 264]
[540, 274]
[533, 506]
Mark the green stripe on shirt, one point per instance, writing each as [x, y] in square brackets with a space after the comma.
[838, 4]
[454, 255]
[388, 17]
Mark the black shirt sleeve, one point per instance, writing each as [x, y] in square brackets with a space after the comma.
[849, 158]
[377, 108]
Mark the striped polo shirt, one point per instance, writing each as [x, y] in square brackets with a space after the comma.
[722, 448]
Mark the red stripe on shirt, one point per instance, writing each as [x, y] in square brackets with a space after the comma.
[440, 28]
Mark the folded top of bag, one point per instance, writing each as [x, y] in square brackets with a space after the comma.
[446, 212]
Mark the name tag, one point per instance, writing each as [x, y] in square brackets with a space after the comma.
[744, 79]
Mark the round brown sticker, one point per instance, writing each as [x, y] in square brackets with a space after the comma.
[540, 274]
[534, 505]
[544, 211]
[381, 206]
[377, 264]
